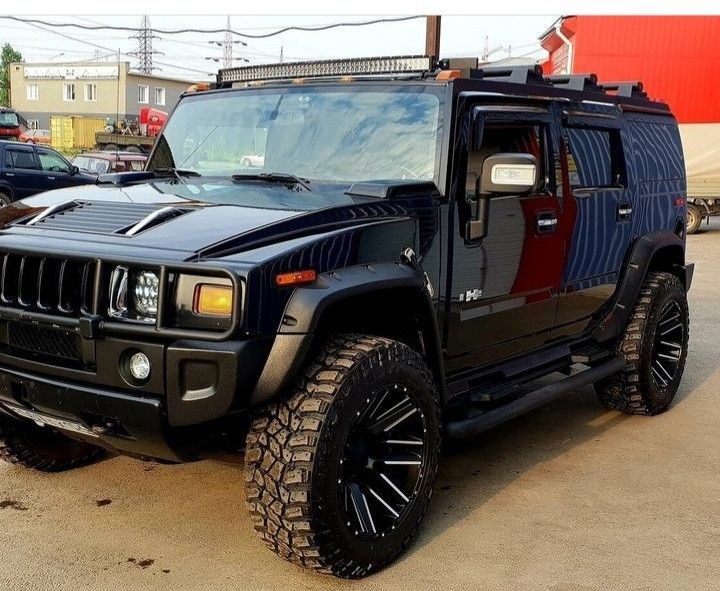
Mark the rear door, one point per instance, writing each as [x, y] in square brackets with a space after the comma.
[21, 171]
[505, 286]
[597, 221]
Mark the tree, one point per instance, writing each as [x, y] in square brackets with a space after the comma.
[7, 55]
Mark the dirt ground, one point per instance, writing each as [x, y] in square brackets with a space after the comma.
[568, 497]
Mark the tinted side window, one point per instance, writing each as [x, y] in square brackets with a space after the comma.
[593, 157]
[15, 158]
[657, 150]
[49, 161]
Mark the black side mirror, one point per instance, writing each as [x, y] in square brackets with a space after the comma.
[74, 169]
[502, 174]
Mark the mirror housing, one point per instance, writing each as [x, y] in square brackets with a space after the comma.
[508, 174]
[74, 169]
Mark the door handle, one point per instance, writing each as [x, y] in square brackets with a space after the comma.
[624, 211]
[546, 223]
[51, 178]
[9, 174]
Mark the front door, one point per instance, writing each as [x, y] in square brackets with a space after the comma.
[57, 171]
[505, 286]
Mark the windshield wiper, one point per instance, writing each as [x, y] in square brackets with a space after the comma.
[273, 177]
[178, 173]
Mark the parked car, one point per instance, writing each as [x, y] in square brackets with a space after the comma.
[105, 162]
[27, 170]
[36, 136]
[334, 317]
[252, 160]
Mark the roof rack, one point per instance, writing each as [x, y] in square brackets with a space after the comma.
[625, 89]
[581, 82]
[516, 74]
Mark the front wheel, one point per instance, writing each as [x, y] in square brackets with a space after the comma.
[340, 474]
[42, 448]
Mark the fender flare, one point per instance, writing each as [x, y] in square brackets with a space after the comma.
[636, 268]
[306, 306]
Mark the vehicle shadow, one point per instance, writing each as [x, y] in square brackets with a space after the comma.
[474, 471]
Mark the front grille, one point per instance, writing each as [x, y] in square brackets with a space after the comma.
[47, 284]
[61, 344]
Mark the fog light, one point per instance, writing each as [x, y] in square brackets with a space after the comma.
[139, 366]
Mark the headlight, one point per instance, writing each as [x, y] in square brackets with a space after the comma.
[144, 287]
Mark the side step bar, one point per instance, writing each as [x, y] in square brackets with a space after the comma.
[488, 420]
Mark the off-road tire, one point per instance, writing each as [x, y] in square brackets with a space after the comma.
[43, 449]
[694, 218]
[634, 390]
[293, 449]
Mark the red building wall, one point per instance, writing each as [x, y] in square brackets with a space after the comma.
[676, 57]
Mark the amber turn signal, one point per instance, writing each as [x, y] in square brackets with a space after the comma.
[213, 300]
[295, 278]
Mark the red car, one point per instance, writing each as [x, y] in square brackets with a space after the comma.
[105, 162]
[36, 136]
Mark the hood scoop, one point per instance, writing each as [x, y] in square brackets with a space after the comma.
[103, 217]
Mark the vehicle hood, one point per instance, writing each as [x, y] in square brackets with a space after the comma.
[206, 220]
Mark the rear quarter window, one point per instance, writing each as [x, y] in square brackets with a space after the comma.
[656, 149]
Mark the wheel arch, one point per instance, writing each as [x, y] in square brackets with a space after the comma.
[7, 190]
[654, 251]
[387, 299]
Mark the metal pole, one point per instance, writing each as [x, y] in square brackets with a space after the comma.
[432, 36]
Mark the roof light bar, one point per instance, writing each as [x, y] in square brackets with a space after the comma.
[343, 67]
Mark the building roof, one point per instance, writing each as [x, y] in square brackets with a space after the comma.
[92, 64]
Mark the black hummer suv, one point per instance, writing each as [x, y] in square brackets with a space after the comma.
[413, 251]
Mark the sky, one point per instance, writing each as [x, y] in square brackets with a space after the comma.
[185, 55]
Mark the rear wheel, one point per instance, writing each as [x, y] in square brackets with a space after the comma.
[654, 348]
[339, 475]
[4, 199]
[42, 448]
[694, 218]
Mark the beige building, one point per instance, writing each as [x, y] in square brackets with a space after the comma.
[99, 89]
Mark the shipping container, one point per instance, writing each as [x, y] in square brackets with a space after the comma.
[74, 132]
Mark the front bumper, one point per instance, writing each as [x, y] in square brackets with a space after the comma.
[192, 384]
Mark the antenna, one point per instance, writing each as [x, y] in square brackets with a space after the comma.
[145, 49]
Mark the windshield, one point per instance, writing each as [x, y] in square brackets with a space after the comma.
[320, 133]
[92, 165]
[9, 119]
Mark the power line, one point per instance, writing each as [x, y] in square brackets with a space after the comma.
[115, 51]
[216, 31]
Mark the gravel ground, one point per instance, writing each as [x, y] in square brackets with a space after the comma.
[568, 497]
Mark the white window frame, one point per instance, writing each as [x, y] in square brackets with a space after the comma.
[145, 94]
[91, 96]
[33, 96]
[67, 86]
[160, 92]
[33, 124]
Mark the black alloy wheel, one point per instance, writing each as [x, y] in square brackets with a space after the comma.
[382, 465]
